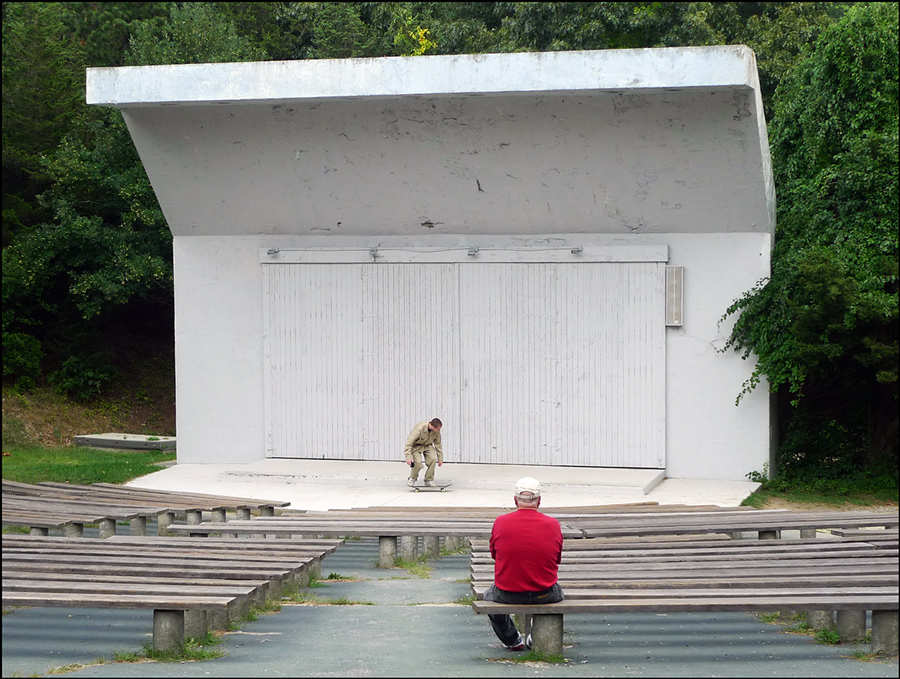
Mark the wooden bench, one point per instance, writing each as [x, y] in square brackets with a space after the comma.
[192, 585]
[170, 627]
[817, 575]
[390, 532]
[767, 524]
[68, 507]
[867, 533]
[389, 526]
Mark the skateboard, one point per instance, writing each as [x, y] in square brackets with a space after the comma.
[437, 486]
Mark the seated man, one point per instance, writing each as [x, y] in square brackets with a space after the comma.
[527, 547]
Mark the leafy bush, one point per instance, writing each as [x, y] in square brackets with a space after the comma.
[83, 377]
[22, 356]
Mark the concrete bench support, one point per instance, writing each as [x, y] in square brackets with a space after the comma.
[73, 530]
[193, 517]
[195, 625]
[851, 626]
[432, 545]
[820, 619]
[107, 528]
[163, 521]
[387, 551]
[168, 631]
[242, 513]
[315, 569]
[273, 591]
[884, 632]
[37, 530]
[217, 619]
[219, 515]
[547, 633]
[408, 547]
[138, 525]
[301, 577]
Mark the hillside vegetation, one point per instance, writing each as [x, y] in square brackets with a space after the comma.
[141, 400]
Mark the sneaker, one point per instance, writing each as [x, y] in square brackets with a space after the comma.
[410, 482]
[528, 642]
[518, 646]
[430, 484]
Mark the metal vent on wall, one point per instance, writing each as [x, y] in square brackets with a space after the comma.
[674, 295]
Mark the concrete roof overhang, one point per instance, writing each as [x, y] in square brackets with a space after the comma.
[613, 141]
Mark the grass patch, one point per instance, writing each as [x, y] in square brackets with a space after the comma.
[763, 497]
[344, 601]
[301, 597]
[315, 582]
[418, 567]
[194, 650]
[769, 617]
[466, 600]
[863, 656]
[859, 488]
[68, 464]
[453, 552]
[533, 656]
[270, 606]
[827, 636]
[538, 656]
[17, 529]
[73, 667]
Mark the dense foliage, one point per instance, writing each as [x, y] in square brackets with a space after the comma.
[825, 325]
[86, 248]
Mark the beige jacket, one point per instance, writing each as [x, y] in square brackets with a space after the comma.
[421, 439]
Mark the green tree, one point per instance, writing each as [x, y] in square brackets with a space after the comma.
[824, 326]
[104, 28]
[778, 32]
[193, 33]
[283, 30]
[36, 50]
[103, 257]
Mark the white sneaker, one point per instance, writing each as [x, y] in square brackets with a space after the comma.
[410, 482]
[430, 484]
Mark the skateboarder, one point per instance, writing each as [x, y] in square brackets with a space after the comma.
[424, 439]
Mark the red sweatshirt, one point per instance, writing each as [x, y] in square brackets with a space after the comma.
[527, 548]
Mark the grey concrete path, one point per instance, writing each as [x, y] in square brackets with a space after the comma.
[417, 627]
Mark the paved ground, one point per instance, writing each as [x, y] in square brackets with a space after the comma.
[416, 627]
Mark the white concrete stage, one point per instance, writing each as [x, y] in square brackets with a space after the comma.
[341, 484]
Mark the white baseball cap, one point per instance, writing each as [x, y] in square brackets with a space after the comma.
[528, 485]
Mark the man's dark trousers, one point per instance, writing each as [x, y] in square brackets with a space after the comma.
[504, 627]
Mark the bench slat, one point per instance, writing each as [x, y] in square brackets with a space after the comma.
[56, 599]
[825, 601]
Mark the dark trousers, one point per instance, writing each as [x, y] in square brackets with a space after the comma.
[504, 627]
